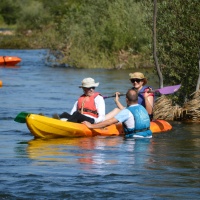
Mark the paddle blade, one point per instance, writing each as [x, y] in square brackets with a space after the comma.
[168, 89]
[21, 117]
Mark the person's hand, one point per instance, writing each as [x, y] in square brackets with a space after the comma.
[88, 124]
[117, 96]
[147, 92]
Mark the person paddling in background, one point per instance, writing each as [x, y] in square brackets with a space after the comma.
[145, 97]
[134, 117]
[89, 107]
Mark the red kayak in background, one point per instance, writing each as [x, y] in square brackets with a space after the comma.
[9, 60]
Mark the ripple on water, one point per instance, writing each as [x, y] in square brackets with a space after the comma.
[165, 167]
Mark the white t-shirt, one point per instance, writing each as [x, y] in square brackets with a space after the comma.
[100, 105]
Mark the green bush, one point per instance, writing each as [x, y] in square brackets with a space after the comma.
[88, 33]
[101, 29]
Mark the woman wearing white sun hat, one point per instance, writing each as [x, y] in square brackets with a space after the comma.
[90, 106]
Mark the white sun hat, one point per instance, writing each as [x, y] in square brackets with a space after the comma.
[88, 82]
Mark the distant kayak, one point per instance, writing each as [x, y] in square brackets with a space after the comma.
[9, 60]
[46, 127]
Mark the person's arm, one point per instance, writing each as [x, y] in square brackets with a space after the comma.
[122, 116]
[74, 108]
[100, 105]
[149, 101]
[101, 124]
[119, 105]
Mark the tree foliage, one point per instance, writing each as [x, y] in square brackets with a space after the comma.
[89, 33]
[98, 29]
[9, 11]
[178, 43]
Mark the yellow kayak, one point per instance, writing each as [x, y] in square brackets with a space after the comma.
[46, 127]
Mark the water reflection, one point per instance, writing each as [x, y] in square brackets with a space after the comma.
[10, 67]
[90, 150]
[84, 150]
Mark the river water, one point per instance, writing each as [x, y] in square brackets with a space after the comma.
[164, 167]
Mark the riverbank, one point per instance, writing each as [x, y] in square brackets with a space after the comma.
[122, 59]
[5, 31]
[10, 40]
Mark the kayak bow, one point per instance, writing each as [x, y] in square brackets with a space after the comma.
[9, 60]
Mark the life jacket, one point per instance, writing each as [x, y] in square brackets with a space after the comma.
[86, 105]
[142, 122]
[141, 99]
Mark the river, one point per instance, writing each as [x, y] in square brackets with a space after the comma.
[164, 167]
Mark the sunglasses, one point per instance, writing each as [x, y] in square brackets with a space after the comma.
[89, 88]
[136, 80]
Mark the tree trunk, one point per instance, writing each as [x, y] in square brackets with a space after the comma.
[198, 82]
[154, 46]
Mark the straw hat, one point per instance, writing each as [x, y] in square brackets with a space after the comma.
[138, 75]
[88, 82]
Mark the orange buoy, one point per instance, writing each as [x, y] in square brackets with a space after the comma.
[1, 83]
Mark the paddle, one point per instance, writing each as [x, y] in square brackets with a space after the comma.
[21, 117]
[164, 90]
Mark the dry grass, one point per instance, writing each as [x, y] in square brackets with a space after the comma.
[192, 108]
[163, 108]
[190, 112]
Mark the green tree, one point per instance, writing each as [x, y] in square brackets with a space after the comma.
[88, 33]
[178, 43]
[9, 10]
[33, 15]
[99, 29]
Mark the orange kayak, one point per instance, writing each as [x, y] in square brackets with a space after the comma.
[9, 60]
[45, 127]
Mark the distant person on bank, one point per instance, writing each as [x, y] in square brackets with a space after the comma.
[134, 117]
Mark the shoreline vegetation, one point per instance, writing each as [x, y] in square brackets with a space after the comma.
[83, 34]
[124, 59]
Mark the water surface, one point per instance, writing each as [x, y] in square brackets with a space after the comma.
[164, 167]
